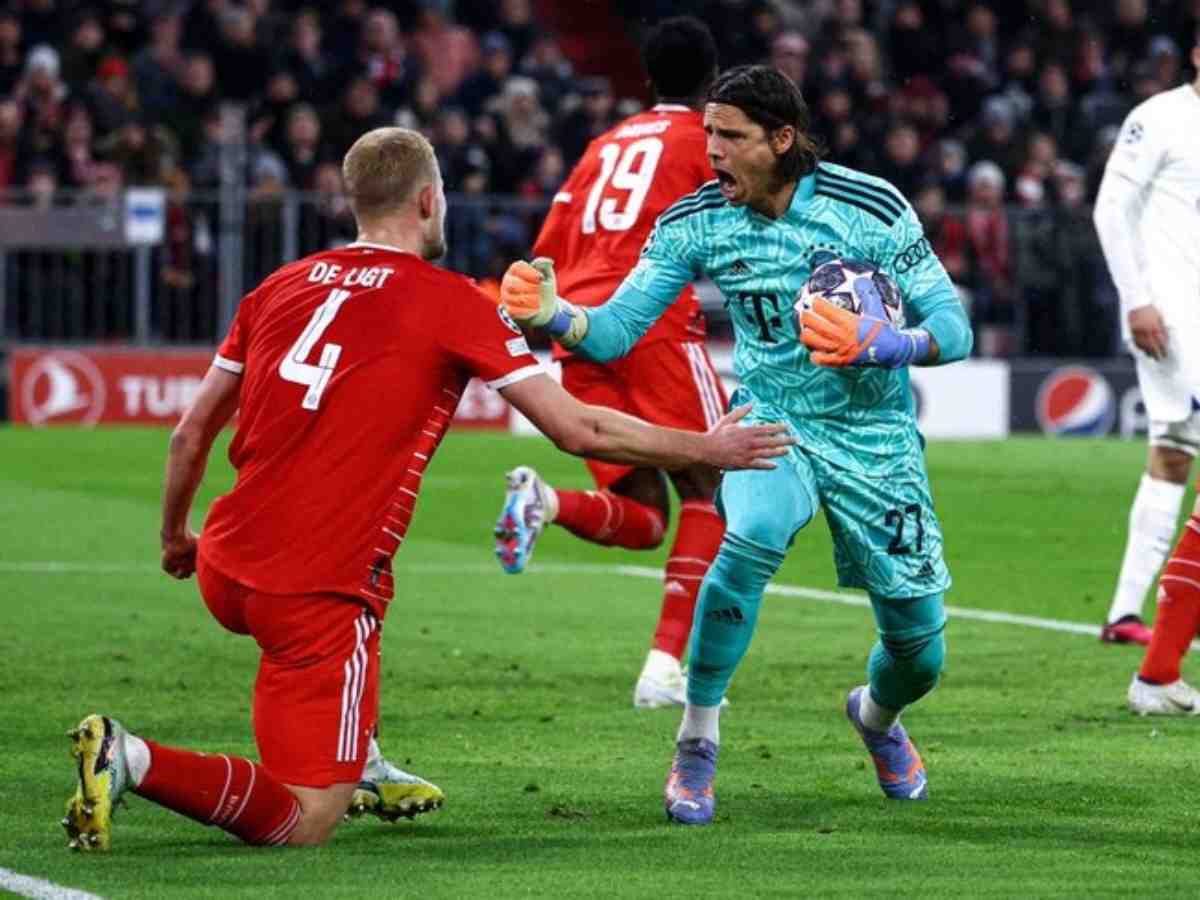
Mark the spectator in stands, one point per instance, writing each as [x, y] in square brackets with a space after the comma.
[77, 161]
[357, 114]
[158, 66]
[42, 185]
[268, 118]
[110, 97]
[547, 177]
[924, 106]
[147, 154]
[523, 129]
[1128, 35]
[86, 47]
[951, 170]
[1056, 31]
[901, 162]
[11, 161]
[384, 59]
[552, 71]
[915, 48]
[594, 116]
[422, 110]
[1019, 78]
[990, 241]
[239, 58]
[306, 60]
[12, 56]
[197, 96]
[41, 21]
[865, 72]
[789, 54]
[1164, 58]
[42, 95]
[448, 52]
[997, 139]
[302, 151]
[1053, 111]
[517, 25]
[487, 82]
[946, 232]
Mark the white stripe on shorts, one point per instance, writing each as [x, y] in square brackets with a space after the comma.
[703, 375]
[354, 675]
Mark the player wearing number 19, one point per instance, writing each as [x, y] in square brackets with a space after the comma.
[346, 367]
[841, 383]
[594, 231]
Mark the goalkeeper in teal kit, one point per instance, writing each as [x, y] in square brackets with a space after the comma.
[838, 378]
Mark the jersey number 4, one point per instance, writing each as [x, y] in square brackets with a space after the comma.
[316, 376]
[631, 171]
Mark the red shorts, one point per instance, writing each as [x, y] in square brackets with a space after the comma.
[316, 697]
[671, 383]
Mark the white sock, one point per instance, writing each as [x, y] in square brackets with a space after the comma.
[700, 722]
[550, 501]
[661, 666]
[874, 716]
[137, 758]
[1151, 531]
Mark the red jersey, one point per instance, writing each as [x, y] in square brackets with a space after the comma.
[601, 218]
[352, 364]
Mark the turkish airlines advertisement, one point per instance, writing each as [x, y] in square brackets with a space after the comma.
[55, 386]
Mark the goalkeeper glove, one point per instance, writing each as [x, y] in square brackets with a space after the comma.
[838, 337]
[529, 293]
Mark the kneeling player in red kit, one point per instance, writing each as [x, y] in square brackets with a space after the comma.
[346, 367]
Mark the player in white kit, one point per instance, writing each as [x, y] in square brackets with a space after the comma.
[1148, 219]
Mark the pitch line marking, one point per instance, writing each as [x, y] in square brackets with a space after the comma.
[38, 889]
[53, 567]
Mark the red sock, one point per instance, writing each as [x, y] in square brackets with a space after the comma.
[696, 542]
[611, 520]
[1178, 616]
[230, 792]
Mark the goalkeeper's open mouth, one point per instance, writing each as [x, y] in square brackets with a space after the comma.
[726, 183]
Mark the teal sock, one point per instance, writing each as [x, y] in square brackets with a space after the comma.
[726, 613]
[907, 661]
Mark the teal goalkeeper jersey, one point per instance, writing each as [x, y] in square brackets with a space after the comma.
[861, 419]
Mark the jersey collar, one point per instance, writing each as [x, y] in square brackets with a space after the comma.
[804, 192]
[373, 246]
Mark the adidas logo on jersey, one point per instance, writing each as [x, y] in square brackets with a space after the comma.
[739, 267]
[926, 570]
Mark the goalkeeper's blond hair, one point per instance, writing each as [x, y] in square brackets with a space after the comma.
[384, 169]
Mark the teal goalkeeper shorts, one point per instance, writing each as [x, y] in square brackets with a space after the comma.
[886, 536]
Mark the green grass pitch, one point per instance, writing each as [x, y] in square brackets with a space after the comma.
[514, 695]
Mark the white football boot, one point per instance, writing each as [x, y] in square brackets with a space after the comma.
[390, 793]
[1175, 699]
[98, 745]
[663, 682]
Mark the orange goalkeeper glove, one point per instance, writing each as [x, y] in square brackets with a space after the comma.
[529, 293]
[837, 337]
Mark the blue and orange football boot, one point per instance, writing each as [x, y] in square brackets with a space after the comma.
[897, 762]
[522, 518]
[688, 794]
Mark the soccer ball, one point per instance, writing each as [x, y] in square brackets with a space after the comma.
[857, 286]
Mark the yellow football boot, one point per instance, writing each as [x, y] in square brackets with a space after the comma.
[99, 749]
[390, 793]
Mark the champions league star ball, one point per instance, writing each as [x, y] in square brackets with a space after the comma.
[857, 286]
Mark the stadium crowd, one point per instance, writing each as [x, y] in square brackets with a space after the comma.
[995, 117]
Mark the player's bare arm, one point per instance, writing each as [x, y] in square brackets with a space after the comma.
[187, 455]
[601, 433]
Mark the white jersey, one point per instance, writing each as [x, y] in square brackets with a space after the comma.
[1148, 218]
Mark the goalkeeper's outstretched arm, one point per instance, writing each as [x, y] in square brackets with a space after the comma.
[530, 294]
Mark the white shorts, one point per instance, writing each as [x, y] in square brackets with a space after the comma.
[1182, 436]
[1170, 387]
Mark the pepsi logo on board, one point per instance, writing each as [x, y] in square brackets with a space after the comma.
[1075, 400]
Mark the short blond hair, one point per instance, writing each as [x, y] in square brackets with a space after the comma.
[383, 169]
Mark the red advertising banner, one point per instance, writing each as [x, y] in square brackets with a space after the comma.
[60, 386]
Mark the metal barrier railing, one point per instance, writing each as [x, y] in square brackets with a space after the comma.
[72, 284]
